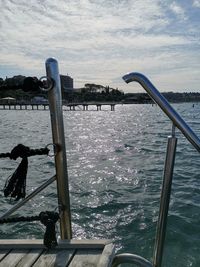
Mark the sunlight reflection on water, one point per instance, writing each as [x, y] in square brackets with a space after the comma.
[115, 165]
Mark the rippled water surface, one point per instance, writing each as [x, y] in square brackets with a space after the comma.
[115, 166]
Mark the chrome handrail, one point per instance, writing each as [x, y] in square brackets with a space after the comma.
[61, 177]
[164, 201]
[57, 125]
[130, 258]
[165, 106]
[178, 122]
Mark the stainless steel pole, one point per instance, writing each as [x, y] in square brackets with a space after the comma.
[55, 106]
[165, 106]
[164, 202]
[130, 258]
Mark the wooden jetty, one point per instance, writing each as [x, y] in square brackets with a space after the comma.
[72, 253]
[66, 106]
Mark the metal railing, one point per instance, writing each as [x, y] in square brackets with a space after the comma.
[55, 105]
[168, 170]
[165, 106]
[130, 258]
[61, 177]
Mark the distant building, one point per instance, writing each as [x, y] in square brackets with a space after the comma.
[67, 83]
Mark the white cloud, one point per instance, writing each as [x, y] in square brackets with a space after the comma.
[178, 10]
[96, 40]
[196, 3]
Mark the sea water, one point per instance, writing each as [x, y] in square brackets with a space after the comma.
[115, 167]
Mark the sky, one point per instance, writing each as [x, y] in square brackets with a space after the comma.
[98, 41]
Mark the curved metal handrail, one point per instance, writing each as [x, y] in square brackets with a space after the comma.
[130, 258]
[165, 106]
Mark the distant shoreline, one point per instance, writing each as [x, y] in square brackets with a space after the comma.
[113, 96]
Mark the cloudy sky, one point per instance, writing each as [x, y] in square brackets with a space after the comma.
[98, 41]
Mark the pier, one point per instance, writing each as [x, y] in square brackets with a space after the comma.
[85, 106]
[66, 106]
[24, 106]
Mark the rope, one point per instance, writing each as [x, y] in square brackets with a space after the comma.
[20, 219]
[47, 218]
[23, 151]
[15, 186]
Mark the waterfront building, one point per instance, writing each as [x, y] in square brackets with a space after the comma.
[67, 83]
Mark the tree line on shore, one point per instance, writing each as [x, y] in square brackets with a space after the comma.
[94, 92]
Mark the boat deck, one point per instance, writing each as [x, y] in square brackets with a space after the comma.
[73, 253]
